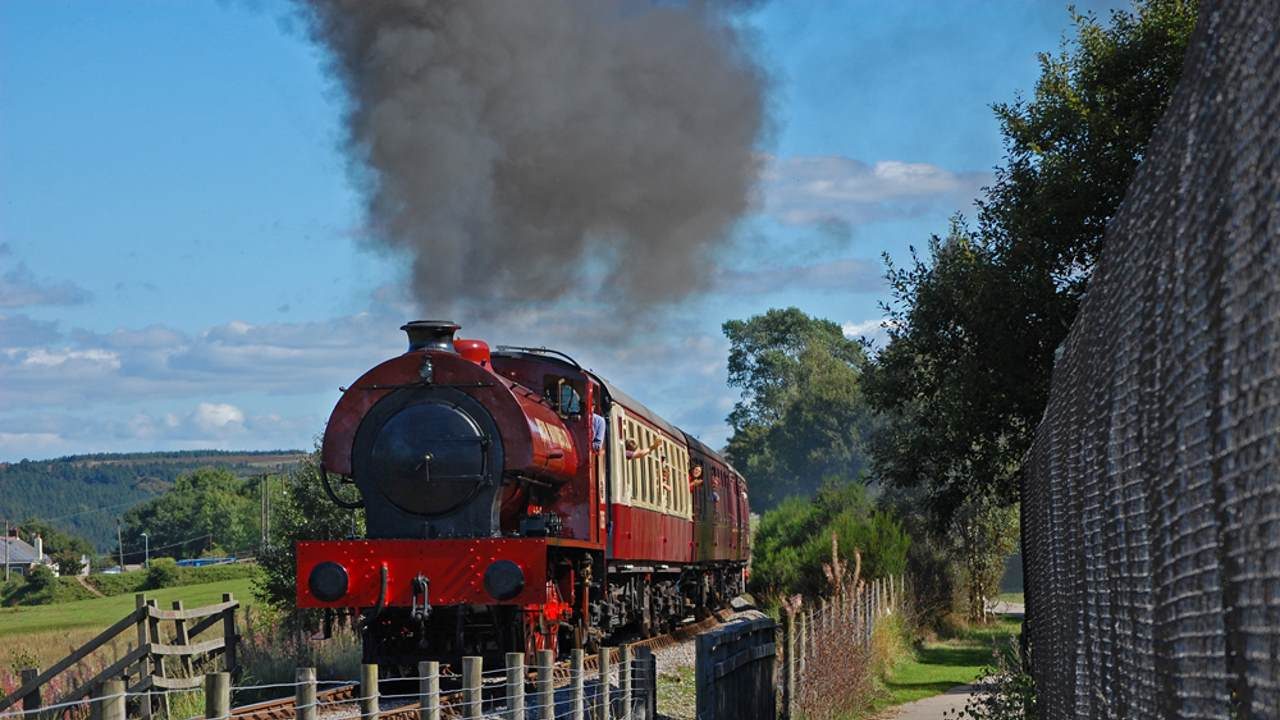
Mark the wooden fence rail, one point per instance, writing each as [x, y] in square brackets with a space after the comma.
[734, 670]
[143, 667]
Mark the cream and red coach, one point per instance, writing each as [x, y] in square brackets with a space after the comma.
[492, 525]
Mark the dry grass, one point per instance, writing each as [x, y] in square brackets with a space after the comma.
[839, 665]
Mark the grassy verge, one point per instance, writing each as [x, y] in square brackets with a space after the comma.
[933, 668]
[1013, 598]
[677, 693]
[69, 589]
[102, 612]
[41, 635]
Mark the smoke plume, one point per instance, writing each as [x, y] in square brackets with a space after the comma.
[521, 151]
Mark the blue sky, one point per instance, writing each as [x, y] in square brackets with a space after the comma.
[181, 264]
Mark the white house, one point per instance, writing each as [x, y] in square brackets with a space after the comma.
[20, 557]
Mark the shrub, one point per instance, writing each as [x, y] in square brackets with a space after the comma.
[794, 541]
[163, 573]
[39, 587]
[271, 651]
[1009, 693]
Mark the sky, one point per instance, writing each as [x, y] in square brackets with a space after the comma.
[182, 260]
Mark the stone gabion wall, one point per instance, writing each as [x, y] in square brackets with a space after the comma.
[1151, 501]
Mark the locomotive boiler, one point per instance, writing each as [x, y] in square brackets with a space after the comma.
[516, 501]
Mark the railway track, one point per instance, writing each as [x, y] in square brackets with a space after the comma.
[332, 701]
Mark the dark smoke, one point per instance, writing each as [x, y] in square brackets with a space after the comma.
[517, 149]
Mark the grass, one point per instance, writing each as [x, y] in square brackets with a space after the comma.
[1013, 598]
[677, 693]
[936, 667]
[100, 613]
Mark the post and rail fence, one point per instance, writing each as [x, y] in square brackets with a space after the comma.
[822, 641]
[622, 686]
[159, 662]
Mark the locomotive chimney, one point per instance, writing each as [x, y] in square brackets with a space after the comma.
[431, 335]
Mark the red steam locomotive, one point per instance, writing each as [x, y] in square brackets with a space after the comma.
[515, 500]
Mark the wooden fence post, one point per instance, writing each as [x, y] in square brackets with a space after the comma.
[368, 691]
[624, 681]
[217, 695]
[545, 691]
[180, 637]
[145, 663]
[229, 635]
[604, 711]
[110, 703]
[647, 668]
[801, 637]
[577, 687]
[515, 686]
[304, 694]
[472, 690]
[32, 700]
[789, 660]
[429, 690]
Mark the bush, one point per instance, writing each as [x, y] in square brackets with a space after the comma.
[794, 540]
[271, 651]
[39, 587]
[163, 573]
[1009, 693]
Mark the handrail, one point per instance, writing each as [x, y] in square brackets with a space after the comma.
[125, 623]
[145, 662]
[193, 614]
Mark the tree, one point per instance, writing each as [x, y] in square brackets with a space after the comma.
[205, 509]
[801, 417]
[304, 512]
[965, 376]
[984, 534]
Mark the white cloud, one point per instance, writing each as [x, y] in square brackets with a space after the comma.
[217, 417]
[822, 188]
[19, 287]
[19, 331]
[876, 330]
[157, 388]
[40, 357]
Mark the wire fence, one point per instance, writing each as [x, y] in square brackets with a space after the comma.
[826, 646]
[1151, 503]
[622, 687]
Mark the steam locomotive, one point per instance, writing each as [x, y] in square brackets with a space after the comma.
[516, 501]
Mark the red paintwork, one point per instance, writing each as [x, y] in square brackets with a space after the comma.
[477, 351]
[539, 444]
[643, 535]
[455, 569]
[535, 439]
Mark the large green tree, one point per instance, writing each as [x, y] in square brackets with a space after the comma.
[976, 320]
[301, 511]
[801, 418]
[206, 510]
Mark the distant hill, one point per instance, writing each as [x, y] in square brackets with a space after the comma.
[85, 494]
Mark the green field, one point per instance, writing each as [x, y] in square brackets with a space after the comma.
[936, 667]
[99, 613]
